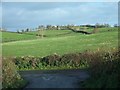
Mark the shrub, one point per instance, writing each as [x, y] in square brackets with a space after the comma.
[27, 62]
[10, 77]
[104, 71]
[52, 60]
[67, 58]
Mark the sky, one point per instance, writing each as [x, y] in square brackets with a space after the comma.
[20, 15]
[60, 0]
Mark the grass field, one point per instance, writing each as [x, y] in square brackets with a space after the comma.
[12, 36]
[57, 41]
[103, 66]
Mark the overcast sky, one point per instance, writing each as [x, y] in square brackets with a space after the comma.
[31, 14]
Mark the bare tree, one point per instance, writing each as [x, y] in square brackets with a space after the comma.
[40, 31]
[95, 30]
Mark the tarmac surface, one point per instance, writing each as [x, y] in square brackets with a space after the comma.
[54, 78]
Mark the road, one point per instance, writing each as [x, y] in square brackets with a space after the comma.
[54, 78]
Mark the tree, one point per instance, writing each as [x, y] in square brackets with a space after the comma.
[97, 25]
[95, 30]
[115, 25]
[48, 27]
[40, 30]
[106, 25]
[58, 27]
[18, 31]
[22, 31]
[27, 30]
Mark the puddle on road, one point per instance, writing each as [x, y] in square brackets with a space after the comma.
[55, 80]
[48, 77]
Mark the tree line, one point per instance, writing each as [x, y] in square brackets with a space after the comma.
[66, 27]
[63, 27]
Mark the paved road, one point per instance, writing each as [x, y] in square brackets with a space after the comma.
[54, 78]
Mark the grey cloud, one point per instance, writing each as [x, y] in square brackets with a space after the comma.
[32, 14]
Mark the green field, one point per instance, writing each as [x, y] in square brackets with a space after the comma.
[12, 36]
[57, 41]
[103, 66]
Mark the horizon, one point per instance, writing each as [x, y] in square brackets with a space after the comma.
[31, 15]
[34, 28]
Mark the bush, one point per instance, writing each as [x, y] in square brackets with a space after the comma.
[27, 62]
[68, 60]
[10, 77]
[103, 66]
[52, 60]
[104, 71]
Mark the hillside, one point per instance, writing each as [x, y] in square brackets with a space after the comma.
[13, 36]
[58, 41]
